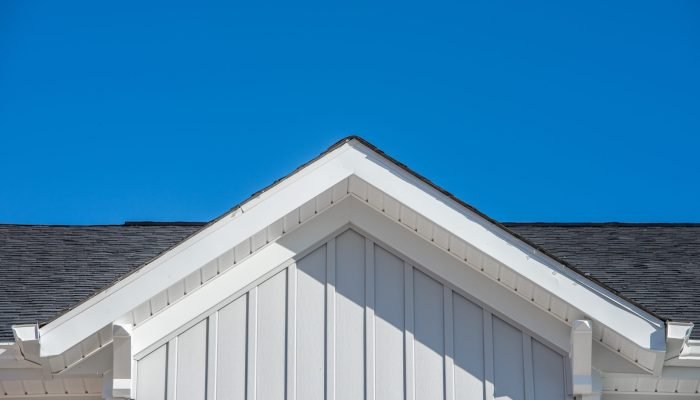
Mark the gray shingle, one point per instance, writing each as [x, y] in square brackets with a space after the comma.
[655, 265]
[45, 270]
[48, 269]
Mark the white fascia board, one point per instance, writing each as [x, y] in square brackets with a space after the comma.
[256, 214]
[351, 158]
[356, 214]
[600, 304]
[216, 292]
[454, 273]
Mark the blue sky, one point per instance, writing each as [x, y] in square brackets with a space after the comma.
[530, 111]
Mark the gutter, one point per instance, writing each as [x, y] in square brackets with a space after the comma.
[681, 351]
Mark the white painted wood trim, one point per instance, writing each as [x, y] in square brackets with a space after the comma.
[239, 278]
[468, 283]
[603, 305]
[190, 255]
[581, 356]
[465, 281]
[352, 159]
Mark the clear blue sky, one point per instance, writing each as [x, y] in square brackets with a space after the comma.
[530, 111]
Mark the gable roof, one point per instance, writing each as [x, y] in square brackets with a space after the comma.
[354, 169]
[50, 268]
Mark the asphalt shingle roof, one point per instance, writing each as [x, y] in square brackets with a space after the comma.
[655, 265]
[47, 269]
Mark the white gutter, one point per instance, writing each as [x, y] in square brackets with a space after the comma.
[27, 338]
[677, 335]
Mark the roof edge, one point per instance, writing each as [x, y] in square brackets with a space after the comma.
[501, 225]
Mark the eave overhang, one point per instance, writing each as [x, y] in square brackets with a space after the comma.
[390, 188]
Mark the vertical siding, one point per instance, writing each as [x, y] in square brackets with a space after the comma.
[548, 369]
[468, 349]
[351, 320]
[350, 316]
[231, 350]
[428, 336]
[270, 351]
[151, 375]
[389, 325]
[508, 364]
[311, 326]
[192, 363]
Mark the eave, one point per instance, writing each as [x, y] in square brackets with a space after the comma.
[352, 168]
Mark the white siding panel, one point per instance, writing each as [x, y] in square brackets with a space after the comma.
[351, 320]
[271, 334]
[429, 337]
[508, 361]
[151, 375]
[389, 325]
[350, 316]
[468, 349]
[311, 325]
[192, 363]
[548, 367]
[231, 351]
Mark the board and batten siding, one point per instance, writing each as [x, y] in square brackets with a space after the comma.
[351, 320]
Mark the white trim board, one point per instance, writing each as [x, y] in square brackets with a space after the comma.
[355, 214]
[253, 216]
[366, 170]
[625, 318]
[464, 281]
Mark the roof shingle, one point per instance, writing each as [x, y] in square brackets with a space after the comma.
[47, 269]
[655, 265]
